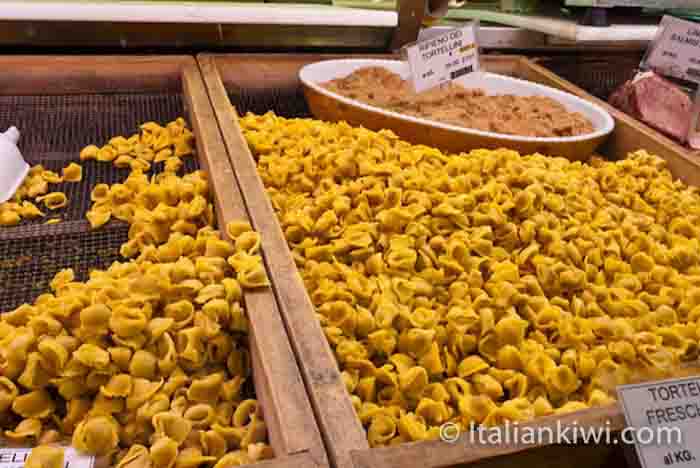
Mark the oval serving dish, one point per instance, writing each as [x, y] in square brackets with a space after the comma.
[329, 106]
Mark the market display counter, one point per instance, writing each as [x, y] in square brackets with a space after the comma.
[65, 103]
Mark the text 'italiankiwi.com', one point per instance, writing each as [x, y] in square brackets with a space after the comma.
[558, 433]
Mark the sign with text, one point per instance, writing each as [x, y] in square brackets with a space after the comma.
[668, 412]
[444, 58]
[676, 50]
[11, 457]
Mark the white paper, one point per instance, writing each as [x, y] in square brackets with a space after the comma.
[676, 50]
[668, 412]
[15, 457]
[443, 58]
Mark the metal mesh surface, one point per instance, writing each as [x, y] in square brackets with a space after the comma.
[600, 75]
[28, 264]
[58, 127]
[54, 130]
[285, 102]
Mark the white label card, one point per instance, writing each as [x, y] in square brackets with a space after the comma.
[443, 58]
[676, 49]
[11, 457]
[664, 416]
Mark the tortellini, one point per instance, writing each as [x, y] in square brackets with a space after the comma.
[154, 143]
[45, 456]
[145, 362]
[36, 187]
[481, 287]
[73, 173]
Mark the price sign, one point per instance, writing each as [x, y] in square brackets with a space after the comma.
[15, 458]
[676, 50]
[444, 58]
[665, 418]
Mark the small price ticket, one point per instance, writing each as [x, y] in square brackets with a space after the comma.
[443, 58]
[664, 421]
[11, 457]
[675, 50]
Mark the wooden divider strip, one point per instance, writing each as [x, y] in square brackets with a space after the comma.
[287, 410]
[437, 453]
[340, 426]
[73, 74]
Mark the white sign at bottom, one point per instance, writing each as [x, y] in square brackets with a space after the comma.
[666, 417]
[11, 457]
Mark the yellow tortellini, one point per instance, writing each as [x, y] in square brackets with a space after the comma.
[45, 456]
[146, 362]
[481, 287]
[36, 187]
[73, 173]
[154, 143]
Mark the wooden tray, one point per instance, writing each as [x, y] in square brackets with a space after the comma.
[240, 75]
[292, 429]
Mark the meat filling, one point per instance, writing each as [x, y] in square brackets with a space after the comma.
[534, 116]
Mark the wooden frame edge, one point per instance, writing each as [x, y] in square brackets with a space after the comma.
[443, 454]
[411, 14]
[65, 74]
[626, 136]
[341, 429]
[288, 414]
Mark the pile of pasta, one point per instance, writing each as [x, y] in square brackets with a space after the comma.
[147, 361]
[36, 187]
[154, 143]
[484, 287]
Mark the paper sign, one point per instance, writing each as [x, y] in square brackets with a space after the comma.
[15, 458]
[665, 418]
[676, 50]
[443, 58]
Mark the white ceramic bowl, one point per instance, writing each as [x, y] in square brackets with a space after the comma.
[330, 106]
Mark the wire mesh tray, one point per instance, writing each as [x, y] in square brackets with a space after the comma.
[55, 129]
[600, 75]
[28, 263]
[286, 102]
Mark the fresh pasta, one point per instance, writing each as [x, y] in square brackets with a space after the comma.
[35, 188]
[153, 143]
[146, 353]
[482, 287]
[147, 361]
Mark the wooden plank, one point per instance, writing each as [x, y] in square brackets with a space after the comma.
[287, 410]
[265, 71]
[274, 71]
[57, 75]
[630, 135]
[299, 460]
[339, 424]
[411, 13]
[440, 454]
